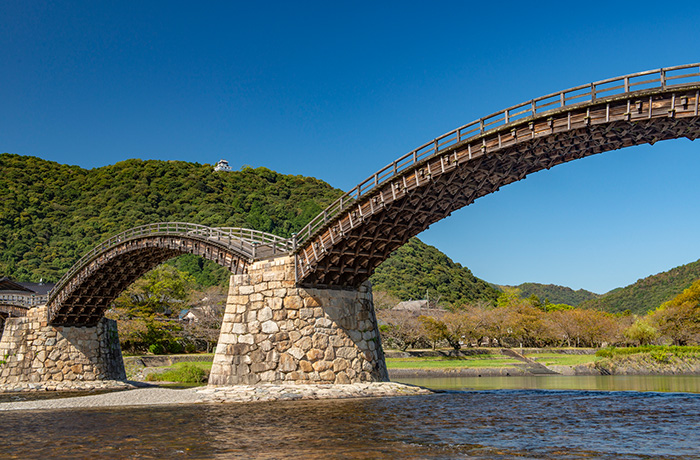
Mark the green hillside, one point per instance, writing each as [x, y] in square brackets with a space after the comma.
[556, 294]
[648, 293]
[416, 268]
[51, 214]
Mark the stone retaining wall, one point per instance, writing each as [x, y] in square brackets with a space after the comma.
[274, 332]
[38, 353]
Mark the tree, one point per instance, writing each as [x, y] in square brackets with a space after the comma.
[642, 332]
[162, 290]
[207, 309]
[448, 329]
[401, 329]
[579, 327]
[146, 312]
[679, 318]
[383, 300]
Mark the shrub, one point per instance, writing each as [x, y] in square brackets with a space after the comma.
[184, 373]
[156, 349]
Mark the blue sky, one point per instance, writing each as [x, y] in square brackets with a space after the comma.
[338, 90]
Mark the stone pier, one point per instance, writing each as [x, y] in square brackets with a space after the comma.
[37, 355]
[275, 332]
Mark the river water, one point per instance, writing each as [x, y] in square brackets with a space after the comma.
[473, 424]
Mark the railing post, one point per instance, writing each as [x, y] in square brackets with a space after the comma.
[294, 250]
[663, 78]
[592, 91]
[627, 84]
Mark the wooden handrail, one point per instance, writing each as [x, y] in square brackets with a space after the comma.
[245, 241]
[591, 92]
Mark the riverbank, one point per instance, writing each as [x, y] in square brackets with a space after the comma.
[533, 362]
[158, 396]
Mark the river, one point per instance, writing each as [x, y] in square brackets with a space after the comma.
[475, 424]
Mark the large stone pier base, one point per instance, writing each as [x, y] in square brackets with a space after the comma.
[37, 355]
[274, 332]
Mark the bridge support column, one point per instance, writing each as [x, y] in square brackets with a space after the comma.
[275, 332]
[38, 355]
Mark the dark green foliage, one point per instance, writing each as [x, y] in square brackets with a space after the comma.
[555, 294]
[416, 268]
[649, 293]
[205, 272]
[51, 214]
[612, 352]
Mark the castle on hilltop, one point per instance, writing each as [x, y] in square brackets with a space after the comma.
[222, 165]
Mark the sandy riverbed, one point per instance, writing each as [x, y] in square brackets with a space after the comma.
[239, 393]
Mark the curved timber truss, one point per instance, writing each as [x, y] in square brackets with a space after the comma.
[83, 294]
[343, 245]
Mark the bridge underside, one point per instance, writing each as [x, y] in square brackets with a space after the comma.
[84, 300]
[346, 252]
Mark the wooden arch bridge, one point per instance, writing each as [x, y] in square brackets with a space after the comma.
[83, 294]
[343, 245]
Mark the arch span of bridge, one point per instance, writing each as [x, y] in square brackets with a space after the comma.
[84, 293]
[298, 309]
[344, 244]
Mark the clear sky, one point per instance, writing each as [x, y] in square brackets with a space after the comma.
[337, 90]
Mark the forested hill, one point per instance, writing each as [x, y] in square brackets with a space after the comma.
[417, 268]
[556, 294]
[648, 293]
[51, 214]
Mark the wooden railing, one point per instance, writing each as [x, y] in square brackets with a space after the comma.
[665, 78]
[247, 242]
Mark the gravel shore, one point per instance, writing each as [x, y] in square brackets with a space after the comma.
[234, 394]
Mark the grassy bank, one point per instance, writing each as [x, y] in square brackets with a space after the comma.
[450, 362]
[186, 372]
[650, 359]
[489, 358]
[557, 359]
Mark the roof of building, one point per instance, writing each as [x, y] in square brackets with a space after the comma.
[39, 288]
[6, 284]
[9, 286]
[412, 305]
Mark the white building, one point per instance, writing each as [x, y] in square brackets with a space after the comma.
[222, 165]
[25, 294]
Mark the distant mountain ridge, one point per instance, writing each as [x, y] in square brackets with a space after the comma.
[648, 293]
[555, 293]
